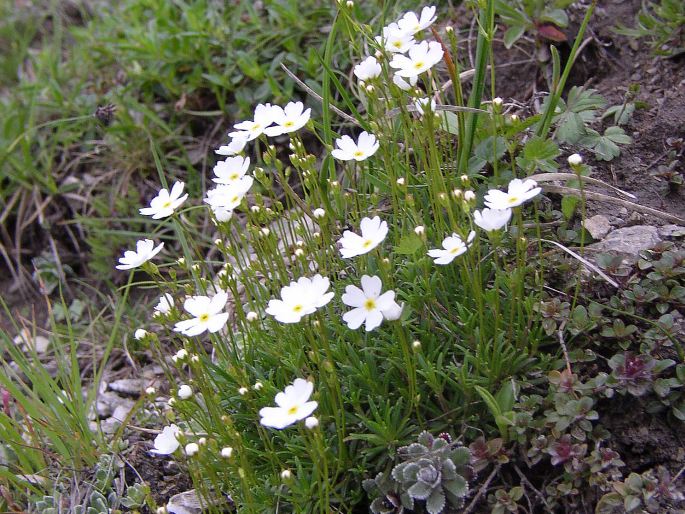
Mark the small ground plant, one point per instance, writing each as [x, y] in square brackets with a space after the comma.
[361, 300]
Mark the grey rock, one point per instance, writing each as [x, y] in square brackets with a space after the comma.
[598, 226]
[107, 403]
[110, 425]
[629, 241]
[122, 410]
[671, 231]
[128, 386]
[189, 502]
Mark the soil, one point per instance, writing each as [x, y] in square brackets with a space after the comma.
[608, 63]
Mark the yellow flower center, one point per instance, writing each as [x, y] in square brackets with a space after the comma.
[204, 317]
[297, 308]
[367, 243]
[233, 176]
[256, 126]
[397, 44]
[513, 200]
[455, 250]
[235, 199]
[418, 65]
[370, 304]
[358, 153]
[166, 204]
[292, 410]
[288, 124]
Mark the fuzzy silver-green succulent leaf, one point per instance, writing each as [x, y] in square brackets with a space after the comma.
[458, 486]
[420, 490]
[435, 502]
[461, 456]
[426, 439]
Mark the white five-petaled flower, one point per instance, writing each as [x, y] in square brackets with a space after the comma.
[208, 314]
[368, 303]
[403, 84]
[422, 57]
[166, 302]
[226, 197]
[411, 23]
[395, 40]
[347, 150]
[491, 219]
[166, 442]
[145, 250]
[373, 233]
[368, 69]
[165, 203]
[293, 405]
[287, 119]
[300, 298]
[425, 105]
[231, 170]
[236, 146]
[252, 129]
[518, 192]
[453, 246]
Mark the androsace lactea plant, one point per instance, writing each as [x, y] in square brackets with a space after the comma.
[361, 284]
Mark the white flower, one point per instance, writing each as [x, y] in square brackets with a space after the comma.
[368, 69]
[411, 23]
[208, 314]
[368, 303]
[192, 449]
[518, 192]
[422, 57]
[373, 233]
[291, 118]
[145, 250]
[249, 130]
[236, 146]
[394, 312]
[231, 170]
[425, 105]
[226, 197]
[300, 298]
[165, 203]
[139, 334]
[491, 219]
[311, 422]
[403, 84]
[166, 442]
[185, 392]
[453, 246]
[395, 40]
[165, 304]
[226, 452]
[293, 405]
[347, 149]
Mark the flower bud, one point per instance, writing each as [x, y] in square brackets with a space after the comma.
[286, 474]
[311, 422]
[252, 316]
[227, 452]
[575, 160]
[400, 181]
[139, 334]
[242, 391]
[192, 449]
[257, 386]
[185, 392]
[150, 391]
[416, 345]
[319, 213]
[419, 230]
